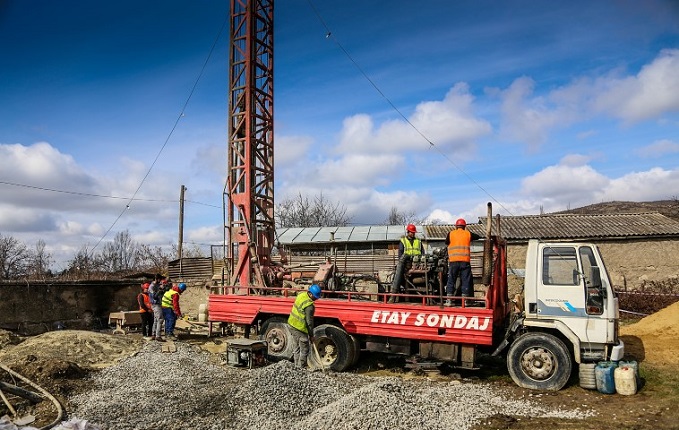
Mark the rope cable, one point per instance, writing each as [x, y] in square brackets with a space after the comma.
[432, 145]
[167, 139]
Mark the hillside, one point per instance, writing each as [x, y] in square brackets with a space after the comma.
[669, 208]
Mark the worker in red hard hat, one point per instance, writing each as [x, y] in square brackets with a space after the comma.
[146, 311]
[408, 247]
[301, 322]
[459, 261]
[171, 310]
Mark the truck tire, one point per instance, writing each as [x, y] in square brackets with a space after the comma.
[357, 349]
[276, 332]
[335, 348]
[539, 361]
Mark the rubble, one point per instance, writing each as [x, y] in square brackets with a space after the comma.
[185, 390]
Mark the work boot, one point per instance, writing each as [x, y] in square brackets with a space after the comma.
[448, 301]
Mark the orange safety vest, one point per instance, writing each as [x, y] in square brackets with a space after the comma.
[459, 241]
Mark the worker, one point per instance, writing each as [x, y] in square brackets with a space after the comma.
[301, 321]
[409, 244]
[171, 310]
[146, 312]
[156, 292]
[408, 247]
[459, 261]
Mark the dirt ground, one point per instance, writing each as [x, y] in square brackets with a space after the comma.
[59, 361]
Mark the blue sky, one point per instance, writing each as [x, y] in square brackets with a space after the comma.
[527, 104]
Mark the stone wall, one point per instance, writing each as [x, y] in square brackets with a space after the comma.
[36, 307]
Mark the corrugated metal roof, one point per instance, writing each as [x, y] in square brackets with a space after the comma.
[552, 226]
[374, 233]
[580, 226]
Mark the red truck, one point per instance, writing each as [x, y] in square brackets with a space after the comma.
[568, 313]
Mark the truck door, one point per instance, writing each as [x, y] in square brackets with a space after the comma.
[567, 292]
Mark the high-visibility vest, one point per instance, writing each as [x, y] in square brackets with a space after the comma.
[414, 248]
[167, 299]
[459, 249]
[297, 315]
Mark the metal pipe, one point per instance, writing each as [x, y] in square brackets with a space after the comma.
[488, 248]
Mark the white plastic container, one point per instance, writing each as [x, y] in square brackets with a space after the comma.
[202, 312]
[625, 380]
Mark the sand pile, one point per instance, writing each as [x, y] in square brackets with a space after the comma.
[85, 348]
[654, 339]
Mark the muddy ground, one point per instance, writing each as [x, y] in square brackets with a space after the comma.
[59, 361]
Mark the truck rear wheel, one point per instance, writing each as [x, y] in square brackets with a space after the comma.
[278, 339]
[335, 348]
[539, 361]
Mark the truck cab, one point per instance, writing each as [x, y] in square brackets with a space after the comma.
[570, 313]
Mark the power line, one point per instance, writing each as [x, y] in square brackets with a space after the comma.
[78, 193]
[167, 139]
[432, 145]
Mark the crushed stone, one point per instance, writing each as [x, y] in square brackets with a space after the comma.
[187, 390]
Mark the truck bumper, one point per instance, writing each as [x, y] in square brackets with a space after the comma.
[618, 351]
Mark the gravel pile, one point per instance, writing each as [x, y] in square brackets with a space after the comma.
[184, 390]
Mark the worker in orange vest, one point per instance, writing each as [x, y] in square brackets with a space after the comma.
[459, 261]
[146, 311]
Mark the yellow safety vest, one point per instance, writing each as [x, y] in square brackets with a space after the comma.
[167, 299]
[459, 241]
[411, 249]
[297, 316]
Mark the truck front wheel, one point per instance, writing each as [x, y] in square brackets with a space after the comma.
[539, 361]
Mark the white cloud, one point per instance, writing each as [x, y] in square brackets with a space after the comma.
[210, 234]
[649, 94]
[658, 148]
[530, 118]
[654, 184]
[450, 124]
[289, 150]
[562, 186]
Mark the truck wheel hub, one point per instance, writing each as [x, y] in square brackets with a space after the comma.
[538, 363]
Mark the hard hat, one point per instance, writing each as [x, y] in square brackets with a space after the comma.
[145, 286]
[460, 223]
[315, 291]
[181, 287]
[411, 228]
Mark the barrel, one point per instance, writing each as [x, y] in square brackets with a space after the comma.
[587, 376]
[605, 379]
[625, 381]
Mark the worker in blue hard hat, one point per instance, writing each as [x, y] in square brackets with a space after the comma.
[301, 323]
[171, 310]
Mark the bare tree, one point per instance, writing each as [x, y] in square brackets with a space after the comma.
[302, 211]
[14, 258]
[82, 265]
[40, 261]
[397, 217]
[120, 255]
[153, 258]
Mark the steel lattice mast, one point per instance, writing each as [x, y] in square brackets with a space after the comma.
[249, 197]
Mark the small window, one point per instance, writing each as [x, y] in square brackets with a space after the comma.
[560, 266]
[593, 291]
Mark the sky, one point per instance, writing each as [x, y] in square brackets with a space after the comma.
[434, 108]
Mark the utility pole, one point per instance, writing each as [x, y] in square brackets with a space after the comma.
[180, 240]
